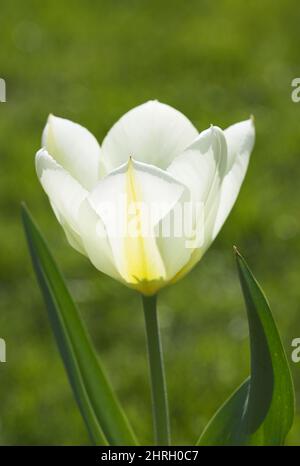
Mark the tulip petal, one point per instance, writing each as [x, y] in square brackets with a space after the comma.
[95, 241]
[131, 201]
[153, 133]
[83, 228]
[74, 148]
[173, 237]
[65, 195]
[240, 141]
[201, 167]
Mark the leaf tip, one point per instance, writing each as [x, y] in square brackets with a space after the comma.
[25, 215]
[23, 207]
[236, 251]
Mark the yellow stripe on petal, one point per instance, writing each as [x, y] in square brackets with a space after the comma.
[143, 265]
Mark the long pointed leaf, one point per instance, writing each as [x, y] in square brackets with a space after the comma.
[104, 418]
[261, 411]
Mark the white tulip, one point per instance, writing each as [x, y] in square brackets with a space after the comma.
[153, 156]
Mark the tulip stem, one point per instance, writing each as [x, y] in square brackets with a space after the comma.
[157, 375]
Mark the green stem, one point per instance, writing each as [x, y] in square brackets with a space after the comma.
[158, 383]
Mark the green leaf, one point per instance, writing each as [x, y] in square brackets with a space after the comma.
[261, 411]
[104, 418]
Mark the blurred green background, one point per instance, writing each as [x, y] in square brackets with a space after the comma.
[90, 61]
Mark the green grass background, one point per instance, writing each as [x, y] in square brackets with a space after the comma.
[91, 61]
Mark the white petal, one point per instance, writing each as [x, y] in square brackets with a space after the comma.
[96, 244]
[65, 194]
[173, 237]
[74, 148]
[131, 201]
[84, 229]
[240, 141]
[154, 133]
[202, 167]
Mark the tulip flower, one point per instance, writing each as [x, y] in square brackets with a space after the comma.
[115, 201]
[144, 208]
[153, 156]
